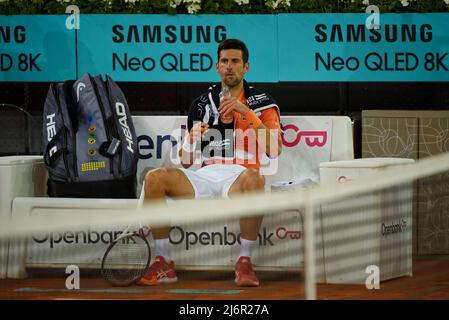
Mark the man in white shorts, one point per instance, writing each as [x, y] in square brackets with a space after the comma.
[229, 128]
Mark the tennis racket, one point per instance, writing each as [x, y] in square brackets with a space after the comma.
[127, 258]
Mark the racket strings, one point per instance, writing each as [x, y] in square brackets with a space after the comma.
[126, 261]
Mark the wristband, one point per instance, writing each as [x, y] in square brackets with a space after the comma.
[188, 147]
[251, 120]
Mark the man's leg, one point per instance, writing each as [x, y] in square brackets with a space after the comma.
[249, 181]
[159, 183]
[170, 182]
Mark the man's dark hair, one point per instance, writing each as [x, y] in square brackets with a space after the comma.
[233, 44]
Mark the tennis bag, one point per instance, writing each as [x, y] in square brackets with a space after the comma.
[89, 143]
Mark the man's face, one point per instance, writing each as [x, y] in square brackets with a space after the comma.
[231, 68]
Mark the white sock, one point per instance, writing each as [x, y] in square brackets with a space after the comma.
[246, 247]
[162, 248]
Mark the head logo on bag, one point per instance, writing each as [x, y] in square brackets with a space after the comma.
[80, 86]
[121, 113]
[89, 144]
[51, 132]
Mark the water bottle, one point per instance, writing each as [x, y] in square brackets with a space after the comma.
[224, 93]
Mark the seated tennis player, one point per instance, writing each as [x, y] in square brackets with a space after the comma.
[229, 128]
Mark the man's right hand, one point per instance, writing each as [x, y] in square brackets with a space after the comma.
[197, 132]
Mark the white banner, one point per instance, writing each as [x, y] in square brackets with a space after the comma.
[307, 142]
[209, 244]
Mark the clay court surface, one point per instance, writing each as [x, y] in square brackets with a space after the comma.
[430, 281]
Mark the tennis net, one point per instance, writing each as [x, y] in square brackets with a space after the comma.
[335, 233]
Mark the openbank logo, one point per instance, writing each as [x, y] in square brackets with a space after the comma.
[223, 238]
[82, 237]
[312, 138]
[283, 233]
[178, 236]
[393, 227]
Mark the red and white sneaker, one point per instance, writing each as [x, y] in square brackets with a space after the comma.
[159, 272]
[244, 274]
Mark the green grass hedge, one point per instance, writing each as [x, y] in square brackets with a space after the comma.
[219, 7]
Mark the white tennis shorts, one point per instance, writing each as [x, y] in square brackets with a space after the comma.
[213, 180]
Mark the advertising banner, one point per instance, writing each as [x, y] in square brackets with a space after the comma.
[174, 48]
[183, 48]
[342, 47]
[36, 48]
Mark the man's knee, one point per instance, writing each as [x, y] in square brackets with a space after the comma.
[252, 180]
[157, 179]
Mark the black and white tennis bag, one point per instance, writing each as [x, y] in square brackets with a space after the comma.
[89, 143]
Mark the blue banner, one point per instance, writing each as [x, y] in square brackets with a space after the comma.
[340, 47]
[36, 48]
[183, 48]
[174, 47]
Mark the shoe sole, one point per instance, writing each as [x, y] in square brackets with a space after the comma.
[246, 283]
[163, 281]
